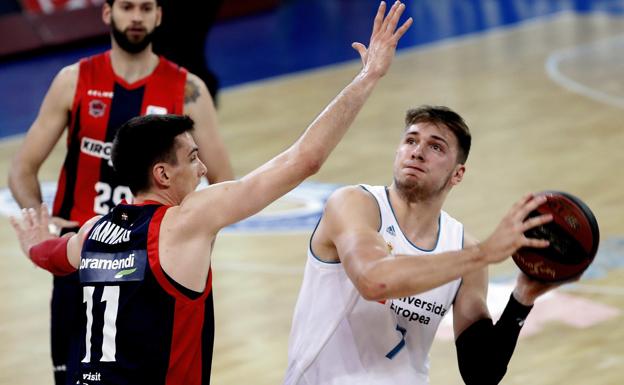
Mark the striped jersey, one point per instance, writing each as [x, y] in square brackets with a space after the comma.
[338, 337]
[102, 103]
[140, 327]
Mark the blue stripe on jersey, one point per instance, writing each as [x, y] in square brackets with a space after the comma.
[207, 337]
[125, 105]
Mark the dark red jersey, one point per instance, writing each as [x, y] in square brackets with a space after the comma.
[140, 327]
[103, 102]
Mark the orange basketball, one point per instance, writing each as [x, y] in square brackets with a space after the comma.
[573, 235]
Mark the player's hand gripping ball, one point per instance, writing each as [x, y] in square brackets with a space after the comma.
[573, 235]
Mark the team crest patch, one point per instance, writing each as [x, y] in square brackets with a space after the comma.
[97, 108]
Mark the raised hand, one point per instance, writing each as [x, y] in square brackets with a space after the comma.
[33, 227]
[376, 59]
[509, 235]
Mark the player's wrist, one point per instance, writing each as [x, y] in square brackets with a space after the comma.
[523, 297]
[368, 76]
[481, 253]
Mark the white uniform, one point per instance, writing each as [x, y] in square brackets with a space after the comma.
[338, 337]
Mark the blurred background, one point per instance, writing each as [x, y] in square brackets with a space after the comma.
[540, 83]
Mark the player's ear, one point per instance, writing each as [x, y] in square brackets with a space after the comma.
[458, 174]
[160, 175]
[106, 13]
[158, 15]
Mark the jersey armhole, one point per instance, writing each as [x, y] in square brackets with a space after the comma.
[168, 284]
[363, 187]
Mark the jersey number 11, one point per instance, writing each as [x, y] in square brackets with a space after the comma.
[110, 295]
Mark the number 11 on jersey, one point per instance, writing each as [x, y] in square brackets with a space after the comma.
[110, 295]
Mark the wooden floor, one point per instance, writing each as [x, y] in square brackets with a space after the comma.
[530, 133]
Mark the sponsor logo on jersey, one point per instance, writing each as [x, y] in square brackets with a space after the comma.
[97, 108]
[390, 230]
[416, 309]
[97, 148]
[113, 267]
[109, 233]
[100, 94]
[155, 110]
[97, 376]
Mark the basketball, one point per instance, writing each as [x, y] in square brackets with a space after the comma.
[573, 235]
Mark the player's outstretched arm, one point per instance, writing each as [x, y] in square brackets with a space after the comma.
[348, 224]
[245, 197]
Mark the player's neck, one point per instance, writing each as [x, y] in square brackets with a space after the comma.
[133, 66]
[155, 196]
[419, 220]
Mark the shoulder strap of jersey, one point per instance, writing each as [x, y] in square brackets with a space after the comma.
[171, 71]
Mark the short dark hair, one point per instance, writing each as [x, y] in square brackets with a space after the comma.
[142, 142]
[449, 118]
[110, 2]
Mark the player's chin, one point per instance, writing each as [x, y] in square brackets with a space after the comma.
[412, 178]
[136, 39]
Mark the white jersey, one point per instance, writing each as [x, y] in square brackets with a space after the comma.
[338, 337]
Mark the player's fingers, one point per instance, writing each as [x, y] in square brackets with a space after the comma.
[17, 225]
[530, 205]
[525, 198]
[537, 243]
[34, 216]
[44, 215]
[393, 18]
[25, 219]
[536, 221]
[386, 21]
[379, 17]
[402, 29]
[361, 49]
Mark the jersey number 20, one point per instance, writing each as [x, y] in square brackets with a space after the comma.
[107, 197]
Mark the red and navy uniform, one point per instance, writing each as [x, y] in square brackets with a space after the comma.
[103, 102]
[87, 185]
[141, 327]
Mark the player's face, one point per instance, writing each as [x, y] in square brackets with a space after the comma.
[426, 161]
[187, 173]
[133, 23]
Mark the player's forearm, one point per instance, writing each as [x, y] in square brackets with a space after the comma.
[52, 255]
[25, 187]
[401, 276]
[484, 349]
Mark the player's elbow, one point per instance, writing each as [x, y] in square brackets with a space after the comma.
[308, 164]
[17, 174]
[371, 288]
[309, 156]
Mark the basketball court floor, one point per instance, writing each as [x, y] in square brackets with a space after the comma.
[539, 83]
